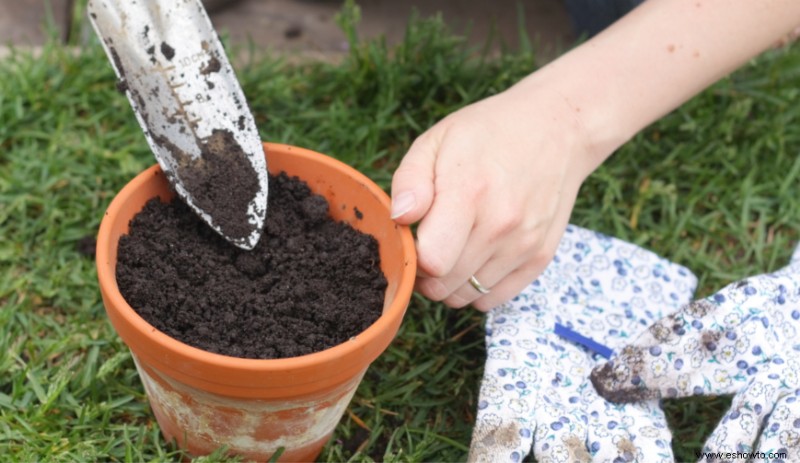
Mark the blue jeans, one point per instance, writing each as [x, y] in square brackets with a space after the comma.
[592, 16]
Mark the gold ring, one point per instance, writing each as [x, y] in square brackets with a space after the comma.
[477, 285]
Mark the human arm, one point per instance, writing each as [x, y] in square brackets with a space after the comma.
[494, 183]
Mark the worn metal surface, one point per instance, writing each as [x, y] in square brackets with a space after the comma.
[185, 95]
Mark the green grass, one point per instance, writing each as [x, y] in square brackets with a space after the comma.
[713, 186]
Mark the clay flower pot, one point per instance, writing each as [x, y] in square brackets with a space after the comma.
[257, 407]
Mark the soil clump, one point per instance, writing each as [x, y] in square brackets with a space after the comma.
[309, 284]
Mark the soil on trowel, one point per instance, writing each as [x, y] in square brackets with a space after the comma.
[209, 179]
[309, 284]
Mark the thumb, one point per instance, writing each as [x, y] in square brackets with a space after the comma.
[709, 347]
[694, 351]
[412, 183]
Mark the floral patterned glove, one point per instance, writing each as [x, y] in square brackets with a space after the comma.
[597, 294]
[742, 340]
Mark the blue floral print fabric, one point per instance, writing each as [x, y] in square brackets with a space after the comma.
[598, 294]
[743, 341]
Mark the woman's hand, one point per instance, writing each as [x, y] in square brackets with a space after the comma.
[493, 185]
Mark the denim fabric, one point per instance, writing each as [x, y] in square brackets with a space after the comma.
[589, 17]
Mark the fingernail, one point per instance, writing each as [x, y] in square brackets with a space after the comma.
[403, 203]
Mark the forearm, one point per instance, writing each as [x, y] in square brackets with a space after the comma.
[653, 60]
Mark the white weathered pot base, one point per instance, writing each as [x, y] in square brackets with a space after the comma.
[201, 422]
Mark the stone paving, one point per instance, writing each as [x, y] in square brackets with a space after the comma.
[307, 27]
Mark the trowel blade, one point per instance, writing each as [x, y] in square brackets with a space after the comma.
[177, 77]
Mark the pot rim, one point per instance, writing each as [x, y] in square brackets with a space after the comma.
[394, 311]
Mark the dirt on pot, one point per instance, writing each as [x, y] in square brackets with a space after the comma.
[311, 282]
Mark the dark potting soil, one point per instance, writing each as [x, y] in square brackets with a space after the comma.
[208, 179]
[309, 284]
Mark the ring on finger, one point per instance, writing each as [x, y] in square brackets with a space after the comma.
[478, 286]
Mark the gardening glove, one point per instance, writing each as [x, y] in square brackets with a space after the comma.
[597, 294]
[742, 341]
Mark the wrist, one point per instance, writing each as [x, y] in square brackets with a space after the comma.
[586, 108]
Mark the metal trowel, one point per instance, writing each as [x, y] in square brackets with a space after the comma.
[171, 65]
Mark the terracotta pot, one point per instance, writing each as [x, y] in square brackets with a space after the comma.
[256, 407]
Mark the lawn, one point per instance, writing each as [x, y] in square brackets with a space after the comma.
[713, 186]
